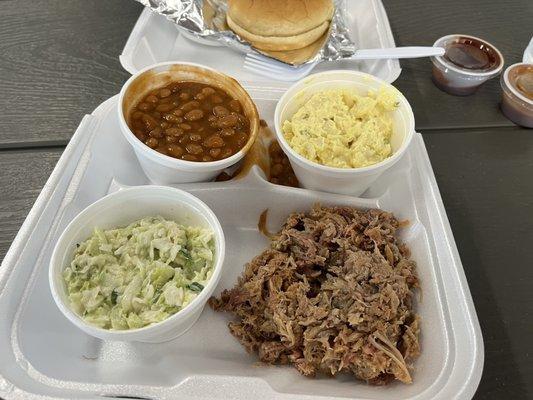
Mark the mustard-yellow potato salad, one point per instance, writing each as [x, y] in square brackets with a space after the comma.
[342, 129]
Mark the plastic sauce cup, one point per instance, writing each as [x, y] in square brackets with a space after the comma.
[517, 94]
[467, 63]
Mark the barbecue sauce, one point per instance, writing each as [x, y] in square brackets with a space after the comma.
[522, 79]
[471, 54]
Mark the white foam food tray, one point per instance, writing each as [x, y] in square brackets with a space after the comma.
[155, 39]
[42, 355]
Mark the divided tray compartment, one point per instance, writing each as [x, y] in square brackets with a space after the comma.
[45, 356]
[155, 39]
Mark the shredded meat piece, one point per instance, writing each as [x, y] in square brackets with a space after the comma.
[332, 295]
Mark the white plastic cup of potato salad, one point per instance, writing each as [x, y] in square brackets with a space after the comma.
[119, 209]
[350, 181]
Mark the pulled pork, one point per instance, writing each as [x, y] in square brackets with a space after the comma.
[332, 295]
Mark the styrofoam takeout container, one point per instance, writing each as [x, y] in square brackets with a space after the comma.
[352, 181]
[118, 210]
[155, 39]
[45, 356]
[163, 169]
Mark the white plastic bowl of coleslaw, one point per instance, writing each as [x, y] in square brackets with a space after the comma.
[118, 270]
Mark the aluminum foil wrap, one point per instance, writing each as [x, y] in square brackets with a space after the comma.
[205, 21]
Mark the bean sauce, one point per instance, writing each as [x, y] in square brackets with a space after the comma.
[190, 121]
[281, 172]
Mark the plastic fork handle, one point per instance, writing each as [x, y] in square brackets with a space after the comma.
[398, 52]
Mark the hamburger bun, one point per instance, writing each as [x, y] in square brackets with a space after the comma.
[279, 25]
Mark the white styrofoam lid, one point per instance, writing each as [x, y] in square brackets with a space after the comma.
[155, 39]
[528, 53]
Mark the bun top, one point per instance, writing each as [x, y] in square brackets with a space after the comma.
[279, 17]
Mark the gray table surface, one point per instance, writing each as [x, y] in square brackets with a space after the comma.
[59, 60]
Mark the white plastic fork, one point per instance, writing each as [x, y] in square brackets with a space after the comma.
[271, 68]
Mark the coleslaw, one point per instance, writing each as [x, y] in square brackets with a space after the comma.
[138, 275]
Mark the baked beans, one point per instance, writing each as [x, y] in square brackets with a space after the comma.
[190, 121]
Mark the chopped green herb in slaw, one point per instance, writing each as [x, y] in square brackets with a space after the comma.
[131, 277]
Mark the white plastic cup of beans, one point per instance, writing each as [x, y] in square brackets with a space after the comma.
[186, 142]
